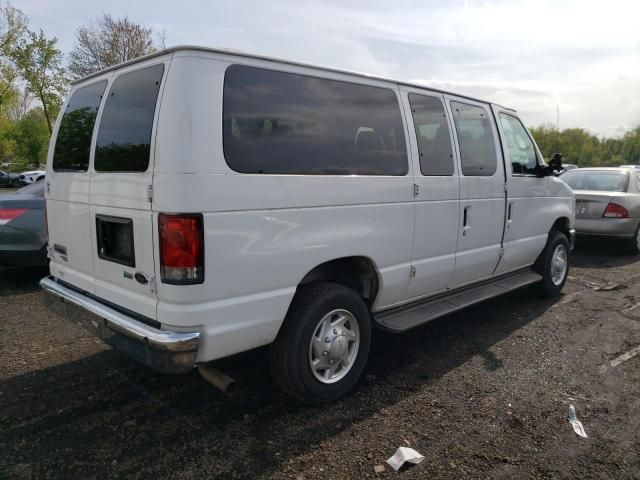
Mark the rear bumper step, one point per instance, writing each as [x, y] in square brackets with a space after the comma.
[162, 350]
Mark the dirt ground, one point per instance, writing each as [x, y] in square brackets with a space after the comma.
[483, 393]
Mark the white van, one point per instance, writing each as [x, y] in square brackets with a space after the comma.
[204, 202]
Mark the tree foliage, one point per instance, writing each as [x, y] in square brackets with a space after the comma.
[582, 148]
[13, 25]
[39, 63]
[108, 41]
[31, 137]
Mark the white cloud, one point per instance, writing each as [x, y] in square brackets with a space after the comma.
[580, 56]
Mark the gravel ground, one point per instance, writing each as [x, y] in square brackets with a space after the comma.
[483, 393]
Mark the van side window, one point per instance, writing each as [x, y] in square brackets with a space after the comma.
[124, 134]
[73, 143]
[432, 132]
[522, 153]
[475, 136]
[285, 123]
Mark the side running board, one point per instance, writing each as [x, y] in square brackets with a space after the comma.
[406, 317]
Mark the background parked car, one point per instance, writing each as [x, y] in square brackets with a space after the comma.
[607, 202]
[23, 238]
[25, 178]
[8, 179]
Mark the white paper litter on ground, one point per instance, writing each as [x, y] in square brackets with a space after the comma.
[403, 455]
[625, 356]
[575, 423]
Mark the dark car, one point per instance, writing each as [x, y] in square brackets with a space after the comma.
[8, 179]
[23, 238]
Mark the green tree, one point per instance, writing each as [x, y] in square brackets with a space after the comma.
[580, 147]
[31, 137]
[39, 63]
[13, 27]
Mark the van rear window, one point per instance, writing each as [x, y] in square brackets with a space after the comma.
[73, 142]
[285, 123]
[124, 134]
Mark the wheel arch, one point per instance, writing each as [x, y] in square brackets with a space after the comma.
[561, 224]
[358, 273]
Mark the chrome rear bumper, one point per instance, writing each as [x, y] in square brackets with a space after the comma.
[162, 350]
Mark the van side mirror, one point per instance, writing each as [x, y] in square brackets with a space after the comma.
[554, 166]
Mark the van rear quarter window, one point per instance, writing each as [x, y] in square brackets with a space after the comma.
[73, 142]
[124, 134]
[285, 123]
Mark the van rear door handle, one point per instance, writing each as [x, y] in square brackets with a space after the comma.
[509, 220]
[466, 220]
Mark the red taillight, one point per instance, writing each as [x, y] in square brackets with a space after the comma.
[181, 248]
[8, 214]
[614, 210]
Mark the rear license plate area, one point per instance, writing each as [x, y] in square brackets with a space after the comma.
[115, 240]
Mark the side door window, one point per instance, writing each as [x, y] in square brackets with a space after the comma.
[522, 153]
[475, 137]
[432, 133]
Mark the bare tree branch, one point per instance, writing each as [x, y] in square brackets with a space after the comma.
[108, 41]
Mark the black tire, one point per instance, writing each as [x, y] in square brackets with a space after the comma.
[633, 247]
[289, 354]
[547, 287]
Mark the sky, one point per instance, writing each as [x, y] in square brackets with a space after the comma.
[541, 57]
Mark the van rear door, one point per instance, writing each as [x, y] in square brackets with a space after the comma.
[67, 187]
[120, 191]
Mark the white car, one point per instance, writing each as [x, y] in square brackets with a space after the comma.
[25, 178]
[214, 202]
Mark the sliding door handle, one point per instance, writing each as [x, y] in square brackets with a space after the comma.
[466, 220]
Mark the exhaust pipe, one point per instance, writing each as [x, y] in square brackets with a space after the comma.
[218, 379]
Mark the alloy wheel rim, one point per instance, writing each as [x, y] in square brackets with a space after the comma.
[334, 346]
[559, 262]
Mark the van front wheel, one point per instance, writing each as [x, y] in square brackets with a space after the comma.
[553, 265]
[323, 345]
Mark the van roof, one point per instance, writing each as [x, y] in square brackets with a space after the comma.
[240, 53]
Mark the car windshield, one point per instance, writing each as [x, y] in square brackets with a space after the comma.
[600, 180]
[33, 190]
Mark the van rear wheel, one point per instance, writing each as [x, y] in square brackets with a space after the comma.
[323, 345]
[553, 265]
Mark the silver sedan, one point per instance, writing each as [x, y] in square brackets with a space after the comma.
[607, 202]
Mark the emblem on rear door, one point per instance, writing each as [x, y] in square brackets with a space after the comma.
[141, 278]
